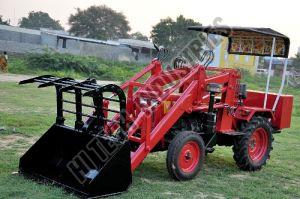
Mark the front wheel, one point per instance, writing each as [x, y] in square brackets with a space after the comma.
[252, 150]
[185, 155]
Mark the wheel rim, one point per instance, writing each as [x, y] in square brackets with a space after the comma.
[258, 144]
[189, 156]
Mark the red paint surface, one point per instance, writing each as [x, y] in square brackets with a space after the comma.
[258, 145]
[184, 92]
[189, 157]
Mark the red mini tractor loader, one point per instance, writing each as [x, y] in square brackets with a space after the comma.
[186, 110]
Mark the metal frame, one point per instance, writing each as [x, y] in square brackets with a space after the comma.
[269, 72]
[269, 77]
[87, 88]
[282, 84]
[227, 31]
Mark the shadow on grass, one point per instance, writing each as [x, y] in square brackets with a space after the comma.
[154, 167]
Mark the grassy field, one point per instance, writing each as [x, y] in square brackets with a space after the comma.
[26, 113]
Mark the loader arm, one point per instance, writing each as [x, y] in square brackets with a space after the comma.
[155, 135]
[151, 121]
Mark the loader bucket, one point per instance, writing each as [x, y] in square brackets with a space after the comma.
[91, 166]
[85, 159]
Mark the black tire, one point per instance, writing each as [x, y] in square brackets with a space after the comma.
[183, 141]
[252, 150]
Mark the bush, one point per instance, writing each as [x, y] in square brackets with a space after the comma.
[74, 66]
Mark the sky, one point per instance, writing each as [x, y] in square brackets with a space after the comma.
[282, 16]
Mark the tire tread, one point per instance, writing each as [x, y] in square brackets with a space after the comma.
[240, 147]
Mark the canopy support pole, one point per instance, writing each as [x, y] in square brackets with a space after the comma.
[282, 84]
[269, 72]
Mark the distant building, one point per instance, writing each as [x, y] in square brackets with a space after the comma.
[141, 49]
[299, 50]
[223, 59]
[21, 40]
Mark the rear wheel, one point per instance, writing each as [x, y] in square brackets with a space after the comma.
[252, 150]
[185, 155]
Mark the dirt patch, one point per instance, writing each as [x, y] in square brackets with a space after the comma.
[294, 183]
[6, 109]
[240, 176]
[146, 180]
[218, 196]
[8, 140]
[17, 142]
[213, 195]
[152, 181]
[171, 194]
[200, 195]
[6, 77]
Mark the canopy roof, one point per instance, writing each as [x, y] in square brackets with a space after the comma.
[250, 41]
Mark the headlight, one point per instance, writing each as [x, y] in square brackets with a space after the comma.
[143, 101]
[153, 102]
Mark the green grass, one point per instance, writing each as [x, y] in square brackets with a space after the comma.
[26, 113]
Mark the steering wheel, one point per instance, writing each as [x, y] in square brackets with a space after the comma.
[179, 62]
[162, 52]
[207, 58]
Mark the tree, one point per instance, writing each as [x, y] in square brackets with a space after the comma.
[37, 20]
[99, 22]
[2, 22]
[139, 36]
[296, 61]
[175, 36]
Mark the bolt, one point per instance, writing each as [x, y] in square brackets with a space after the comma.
[188, 155]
